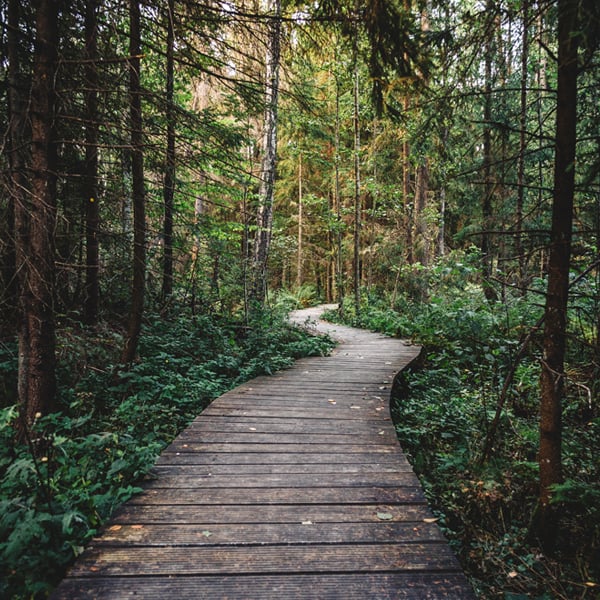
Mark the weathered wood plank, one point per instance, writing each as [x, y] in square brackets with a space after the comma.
[236, 534]
[271, 513]
[186, 457]
[313, 558]
[283, 495]
[346, 586]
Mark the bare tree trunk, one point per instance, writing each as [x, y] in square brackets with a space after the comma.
[406, 191]
[420, 218]
[169, 181]
[338, 202]
[137, 174]
[300, 257]
[486, 210]
[18, 89]
[522, 148]
[357, 200]
[554, 341]
[264, 220]
[35, 218]
[92, 223]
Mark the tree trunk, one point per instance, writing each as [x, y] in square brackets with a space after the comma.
[522, 149]
[264, 220]
[18, 89]
[357, 200]
[92, 223]
[300, 257]
[554, 340]
[35, 218]
[169, 181]
[137, 174]
[488, 190]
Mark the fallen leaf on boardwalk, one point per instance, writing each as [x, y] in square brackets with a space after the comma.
[331, 401]
[385, 516]
[115, 527]
[381, 433]
[355, 407]
[307, 522]
[431, 519]
[206, 533]
[94, 568]
[137, 527]
[379, 408]
[252, 428]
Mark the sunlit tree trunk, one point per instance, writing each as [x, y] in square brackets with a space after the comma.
[137, 175]
[357, 199]
[300, 257]
[554, 340]
[35, 218]
[169, 180]
[264, 220]
[92, 223]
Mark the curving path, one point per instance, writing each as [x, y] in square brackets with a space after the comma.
[288, 487]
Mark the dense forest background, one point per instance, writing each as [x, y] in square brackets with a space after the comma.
[178, 175]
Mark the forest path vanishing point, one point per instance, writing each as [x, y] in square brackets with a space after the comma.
[292, 486]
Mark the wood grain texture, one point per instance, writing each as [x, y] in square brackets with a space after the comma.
[291, 486]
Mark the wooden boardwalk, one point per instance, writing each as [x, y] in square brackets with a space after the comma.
[288, 487]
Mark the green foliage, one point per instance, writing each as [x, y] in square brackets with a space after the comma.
[79, 465]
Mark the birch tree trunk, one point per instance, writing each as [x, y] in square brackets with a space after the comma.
[264, 217]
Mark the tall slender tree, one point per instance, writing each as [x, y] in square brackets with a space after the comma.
[137, 185]
[92, 284]
[35, 218]
[169, 180]
[264, 219]
[555, 323]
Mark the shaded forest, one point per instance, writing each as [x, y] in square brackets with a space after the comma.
[177, 176]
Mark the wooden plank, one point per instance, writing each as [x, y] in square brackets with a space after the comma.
[271, 513]
[283, 495]
[187, 457]
[314, 558]
[306, 586]
[236, 534]
[290, 469]
[194, 478]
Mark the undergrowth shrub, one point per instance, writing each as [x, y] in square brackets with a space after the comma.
[81, 463]
[444, 415]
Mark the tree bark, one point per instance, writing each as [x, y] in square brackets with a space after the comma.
[35, 218]
[300, 224]
[18, 88]
[169, 181]
[264, 220]
[554, 340]
[357, 199]
[92, 285]
[522, 149]
[137, 174]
